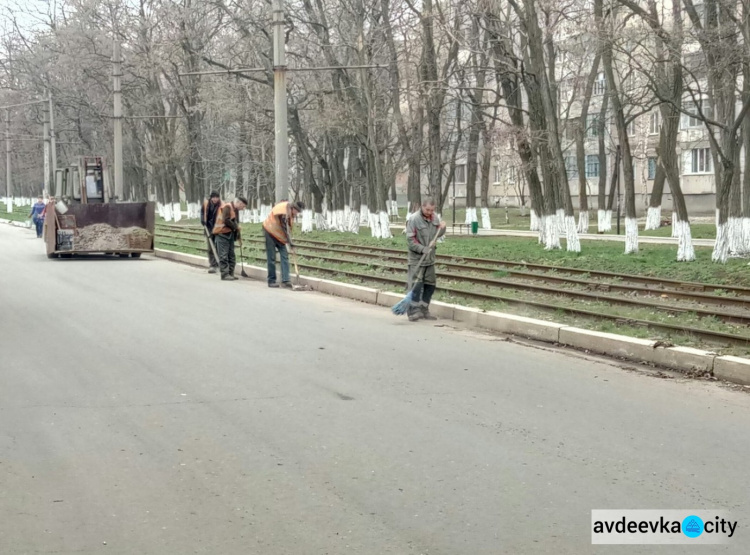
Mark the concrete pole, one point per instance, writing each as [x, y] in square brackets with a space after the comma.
[53, 140]
[279, 89]
[46, 150]
[117, 74]
[8, 182]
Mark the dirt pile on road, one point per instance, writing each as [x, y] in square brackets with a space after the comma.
[104, 237]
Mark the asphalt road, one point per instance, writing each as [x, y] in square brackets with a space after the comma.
[149, 408]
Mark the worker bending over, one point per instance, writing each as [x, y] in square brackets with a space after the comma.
[421, 229]
[208, 219]
[277, 230]
[226, 231]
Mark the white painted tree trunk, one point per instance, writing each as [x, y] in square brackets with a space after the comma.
[674, 225]
[353, 225]
[746, 235]
[551, 232]
[320, 222]
[631, 235]
[571, 234]
[9, 204]
[364, 215]
[374, 222]
[721, 245]
[160, 209]
[167, 212]
[736, 246]
[307, 220]
[534, 221]
[176, 212]
[606, 221]
[685, 250]
[471, 215]
[560, 221]
[486, 224]
[385, 226]
[583, 222]
[653, 217]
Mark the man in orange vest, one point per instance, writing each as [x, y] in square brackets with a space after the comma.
[208, 219]
[226, 231]
[276, 229]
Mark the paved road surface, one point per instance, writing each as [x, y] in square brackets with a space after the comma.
[148, 408]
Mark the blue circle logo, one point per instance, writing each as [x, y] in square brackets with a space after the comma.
[692, 526]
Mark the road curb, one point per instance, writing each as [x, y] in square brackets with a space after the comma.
[683, 359]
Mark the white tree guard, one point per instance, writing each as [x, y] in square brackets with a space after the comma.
[307, 220]
[721, 245]
[653, 217]
[534, 221]
[571, 235]
[486, 223]
[583, 222]
[551, 232]
[685, 250]
[353, 225]
[176, 212]
[674, 224]
[385, 225]
[631, 235]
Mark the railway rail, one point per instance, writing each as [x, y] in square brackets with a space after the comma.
[375, 256]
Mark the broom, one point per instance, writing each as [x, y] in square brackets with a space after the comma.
[403, 305]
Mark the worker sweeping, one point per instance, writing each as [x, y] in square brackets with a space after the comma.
[276, 230]
[226, 231]
[208, 219]
[422, 229]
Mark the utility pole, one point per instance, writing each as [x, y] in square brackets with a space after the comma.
[281, 141]
[52, 139]
[117, 74]
[8, 183]
[45, 136]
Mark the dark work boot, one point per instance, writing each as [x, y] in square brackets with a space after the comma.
[414, 313]
[425, 310]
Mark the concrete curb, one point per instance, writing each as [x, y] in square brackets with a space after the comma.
[684, 359]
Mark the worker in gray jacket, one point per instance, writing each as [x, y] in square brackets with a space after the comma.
[421, 229]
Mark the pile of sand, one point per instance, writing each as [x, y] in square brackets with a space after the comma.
[104, 237]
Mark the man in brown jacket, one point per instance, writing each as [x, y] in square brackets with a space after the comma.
[226, 231]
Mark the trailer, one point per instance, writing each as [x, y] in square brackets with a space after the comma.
[84, 219]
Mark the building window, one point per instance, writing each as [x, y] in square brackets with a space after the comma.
[592, 165]
[700, 160]
[571, 167]
[461, 173]
[512, 174]
[630, 128]
[654, 123]
[691, 121]
[592, 125]
[600, 85]
[651, 168]
[498, 173]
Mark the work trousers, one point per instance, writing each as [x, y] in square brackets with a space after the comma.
[225, 250]
[212, 262]
[423, 287]
[272, 245]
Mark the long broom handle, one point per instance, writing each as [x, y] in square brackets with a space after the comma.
[424, 255]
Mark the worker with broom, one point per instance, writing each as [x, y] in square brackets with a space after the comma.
[276, 230]
[208, 219]
[226, 231]
[423, 229]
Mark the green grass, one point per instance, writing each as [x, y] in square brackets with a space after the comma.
[19, 214]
